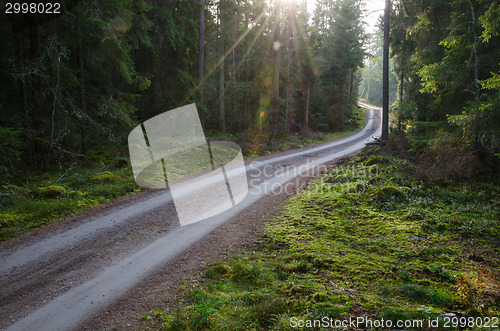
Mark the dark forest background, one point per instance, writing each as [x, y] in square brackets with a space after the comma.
[81, 80]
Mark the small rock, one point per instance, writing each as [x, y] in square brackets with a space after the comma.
[416, 238]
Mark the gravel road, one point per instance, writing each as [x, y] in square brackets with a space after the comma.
[93, 271]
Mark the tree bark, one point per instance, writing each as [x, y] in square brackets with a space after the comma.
[36, 108]
[201, 49]
[83, 101]
[289, 67]
[385, 92]
[306, 115]
[401, 91]
[276, 85]
[222, 111]
[477, 88]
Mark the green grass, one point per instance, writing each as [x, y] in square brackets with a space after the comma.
[47, 196]
[366, 239]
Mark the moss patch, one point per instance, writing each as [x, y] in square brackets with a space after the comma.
[368, 239]
[49, 192]
[104, 177]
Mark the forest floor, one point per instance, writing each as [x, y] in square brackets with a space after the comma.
[370, 239]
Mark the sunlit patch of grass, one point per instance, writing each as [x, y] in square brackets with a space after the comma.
[396, 249]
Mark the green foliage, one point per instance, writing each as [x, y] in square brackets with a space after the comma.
[436, 298]
[334, 252]
[49, 192]
[11, 146]
[104, 177]
[51, 196]
[490, 21]
[389, 193]
[448, 52]
[337, 39]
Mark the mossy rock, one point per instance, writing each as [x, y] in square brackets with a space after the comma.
[104, 177]
[49, 192]
[388, 193]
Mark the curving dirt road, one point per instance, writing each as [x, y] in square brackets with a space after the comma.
[94, 272]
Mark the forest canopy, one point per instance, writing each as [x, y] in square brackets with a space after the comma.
[84, 78]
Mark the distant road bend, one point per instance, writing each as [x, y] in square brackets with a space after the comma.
[58, 280]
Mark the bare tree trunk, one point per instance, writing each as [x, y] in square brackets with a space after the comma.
[401, 91]
[83, 101]
[201, 49]
[385, 92]
[276, 86]
[349, 90]
[36, 108]
[289, 66]
[23, 81]
[477, 88]
[26, 107]
[222, 111]
[306, 114]
[369, 79]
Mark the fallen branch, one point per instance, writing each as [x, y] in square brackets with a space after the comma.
[376, 142]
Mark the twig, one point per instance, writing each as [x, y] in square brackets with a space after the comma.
[64, 174]
[5, 186]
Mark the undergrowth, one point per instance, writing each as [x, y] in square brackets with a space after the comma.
[43, 197]
[366, 239]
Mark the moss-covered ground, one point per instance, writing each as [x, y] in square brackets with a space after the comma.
[366, 239]
[40, 198]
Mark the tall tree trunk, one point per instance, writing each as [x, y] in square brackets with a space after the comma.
[289, 66]
[369, 79]
[349, 91]
[401, 91]
[27, 121]
[306, 113]
[385, 92]
[36, 108]
[201, 50]
[276, 85]
[477, 87]
[341, 102]
[83, 101]
[222, 115]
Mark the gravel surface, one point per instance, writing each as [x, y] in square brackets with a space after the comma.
[57, 262]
